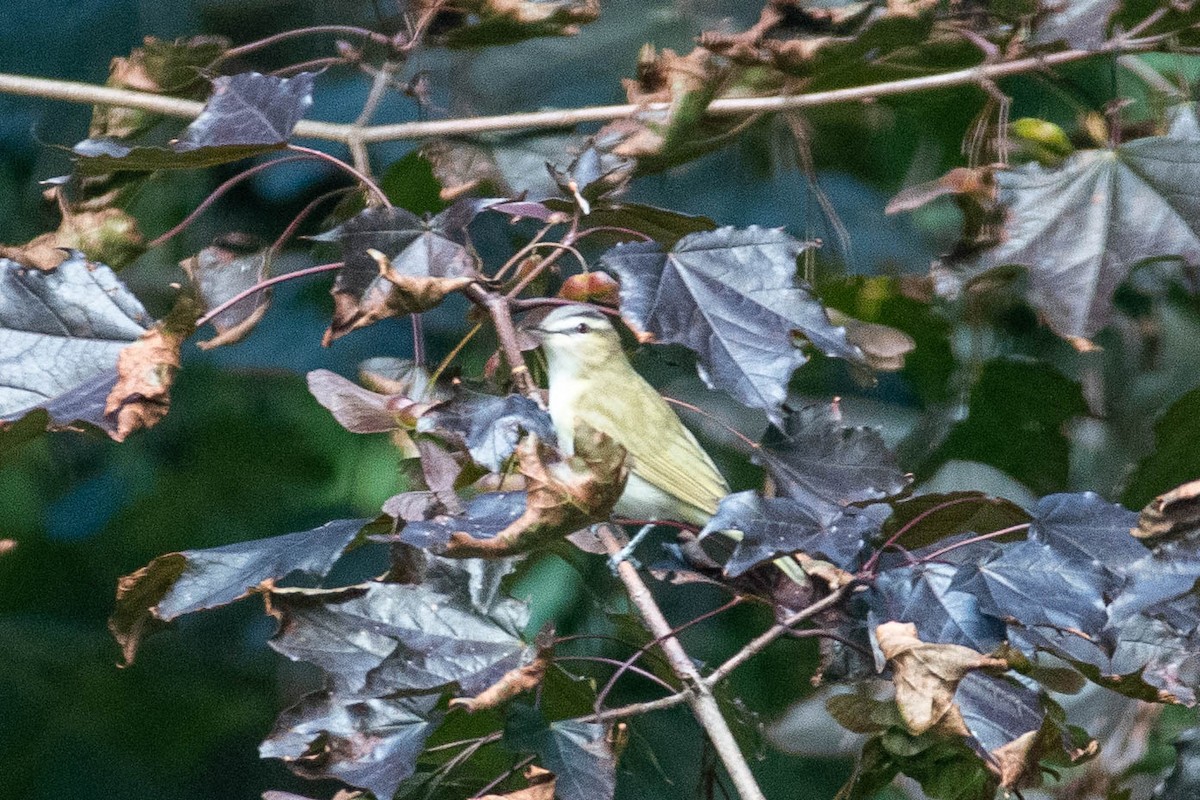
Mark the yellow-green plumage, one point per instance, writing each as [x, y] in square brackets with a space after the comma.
[590, 379]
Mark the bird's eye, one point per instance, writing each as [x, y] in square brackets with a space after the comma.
[582, 327]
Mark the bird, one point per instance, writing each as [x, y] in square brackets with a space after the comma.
[590, 380]
[671, 477]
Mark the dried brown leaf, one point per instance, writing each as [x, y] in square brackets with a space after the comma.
[1173, 513]
[145, 371]
[520, 679]
[110, 237]
[978, 184]
[541, 787]
[927, 675]
[1015, 759]
[563, 494]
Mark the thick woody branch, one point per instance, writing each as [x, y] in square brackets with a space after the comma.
[74, 92]
[698, 694]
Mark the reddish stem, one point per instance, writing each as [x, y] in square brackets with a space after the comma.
[298, 220]
[614, 229]
[346, 30]
[983, 537]
[309, 66]
[342, 165]
[746, 439]
[621, 667]
[216, 195]
[628, 663]
[258, 287]
[895, 537]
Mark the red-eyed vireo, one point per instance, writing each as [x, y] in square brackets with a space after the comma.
[671, 477]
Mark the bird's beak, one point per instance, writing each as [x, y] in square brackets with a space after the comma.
[539, 333]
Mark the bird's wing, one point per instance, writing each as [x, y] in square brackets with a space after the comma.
[668, 455]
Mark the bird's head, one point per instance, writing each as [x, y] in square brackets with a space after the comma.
[578, 335]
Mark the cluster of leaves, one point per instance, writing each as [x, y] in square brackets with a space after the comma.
[951, 616]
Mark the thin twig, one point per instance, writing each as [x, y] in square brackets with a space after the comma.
[637, 709]
[760, 642]
[304, 214]
[258, 287]
[743, 437]
[75, 92]
[342, 165]
[538, 269]
[216, 194]
[524, 251]
[699, 695]
[983, 537]
[628, 663]
[895, 537]
[621, 667]
[379, 86]
[343, 30]
[505, 775]
[310, 66]
[565, 245]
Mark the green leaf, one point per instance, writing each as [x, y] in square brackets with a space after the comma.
[1174, 459]
[410, 184]
[875, 769]
[1015, 422]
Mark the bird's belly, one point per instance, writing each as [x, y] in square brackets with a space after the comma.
[643, 500]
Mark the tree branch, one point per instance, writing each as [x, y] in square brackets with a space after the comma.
[498, 309]
[74, 92]
[760, 642]
[699, 694]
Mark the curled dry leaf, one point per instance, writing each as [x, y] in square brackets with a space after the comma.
[926, 676]
[145, 371]
[520, 679]
[415, 293]
[110, 236]
[564, 494]
[172, 68]
[883, 347]
[1175, 513]
[541, 787]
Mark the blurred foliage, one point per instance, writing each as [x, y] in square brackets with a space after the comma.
[247, 453]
